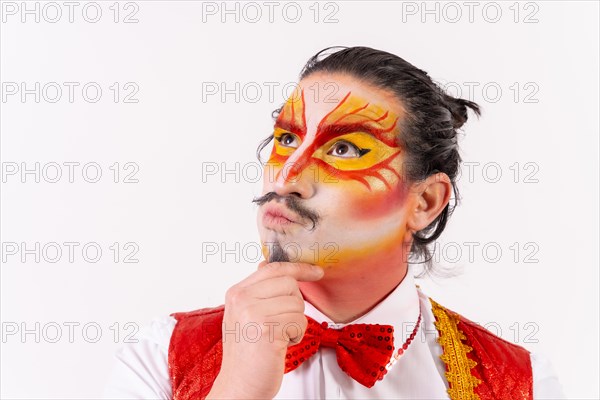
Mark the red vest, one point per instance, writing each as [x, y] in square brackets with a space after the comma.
[479, 364]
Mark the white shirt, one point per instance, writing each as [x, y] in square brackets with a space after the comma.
[141, 371]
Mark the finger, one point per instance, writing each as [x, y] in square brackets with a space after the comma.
[298, 271]
[278, 286]
[290, 327]
[276, 306]
[294, 329]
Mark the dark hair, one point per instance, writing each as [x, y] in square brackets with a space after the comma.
[428, 132]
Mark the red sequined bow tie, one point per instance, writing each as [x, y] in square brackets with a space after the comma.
[362, 350]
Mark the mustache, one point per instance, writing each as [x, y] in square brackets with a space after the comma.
[293, 203]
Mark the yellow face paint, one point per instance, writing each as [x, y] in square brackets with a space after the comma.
[343, 160]
[376, 151]
[281, 149]
[366, 133]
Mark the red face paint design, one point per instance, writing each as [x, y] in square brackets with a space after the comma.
[353, 141]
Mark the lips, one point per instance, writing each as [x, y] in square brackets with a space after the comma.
[279, 215]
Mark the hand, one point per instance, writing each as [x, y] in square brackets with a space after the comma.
[264, 314]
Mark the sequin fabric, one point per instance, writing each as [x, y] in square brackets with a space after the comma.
[362, 350]
[195, 352]
[479, 364]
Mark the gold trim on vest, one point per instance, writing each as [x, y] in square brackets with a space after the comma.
[458, 366]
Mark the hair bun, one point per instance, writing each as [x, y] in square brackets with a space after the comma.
[459, 110]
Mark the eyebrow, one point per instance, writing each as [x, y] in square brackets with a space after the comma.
[337, 129]
[290, 126]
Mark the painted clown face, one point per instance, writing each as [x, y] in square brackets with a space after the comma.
[333, 187]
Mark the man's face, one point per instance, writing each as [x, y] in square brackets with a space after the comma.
[336, 196]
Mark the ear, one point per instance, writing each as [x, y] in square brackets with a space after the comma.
[431, 197]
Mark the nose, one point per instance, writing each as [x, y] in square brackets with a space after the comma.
[297, 177]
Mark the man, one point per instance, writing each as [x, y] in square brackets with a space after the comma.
[359, 180]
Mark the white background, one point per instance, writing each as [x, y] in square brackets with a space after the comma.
[172, 133]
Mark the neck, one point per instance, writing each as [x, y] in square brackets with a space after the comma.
[336, 297]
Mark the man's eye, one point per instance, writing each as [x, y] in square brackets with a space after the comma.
[288, 140]
[346, 150]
